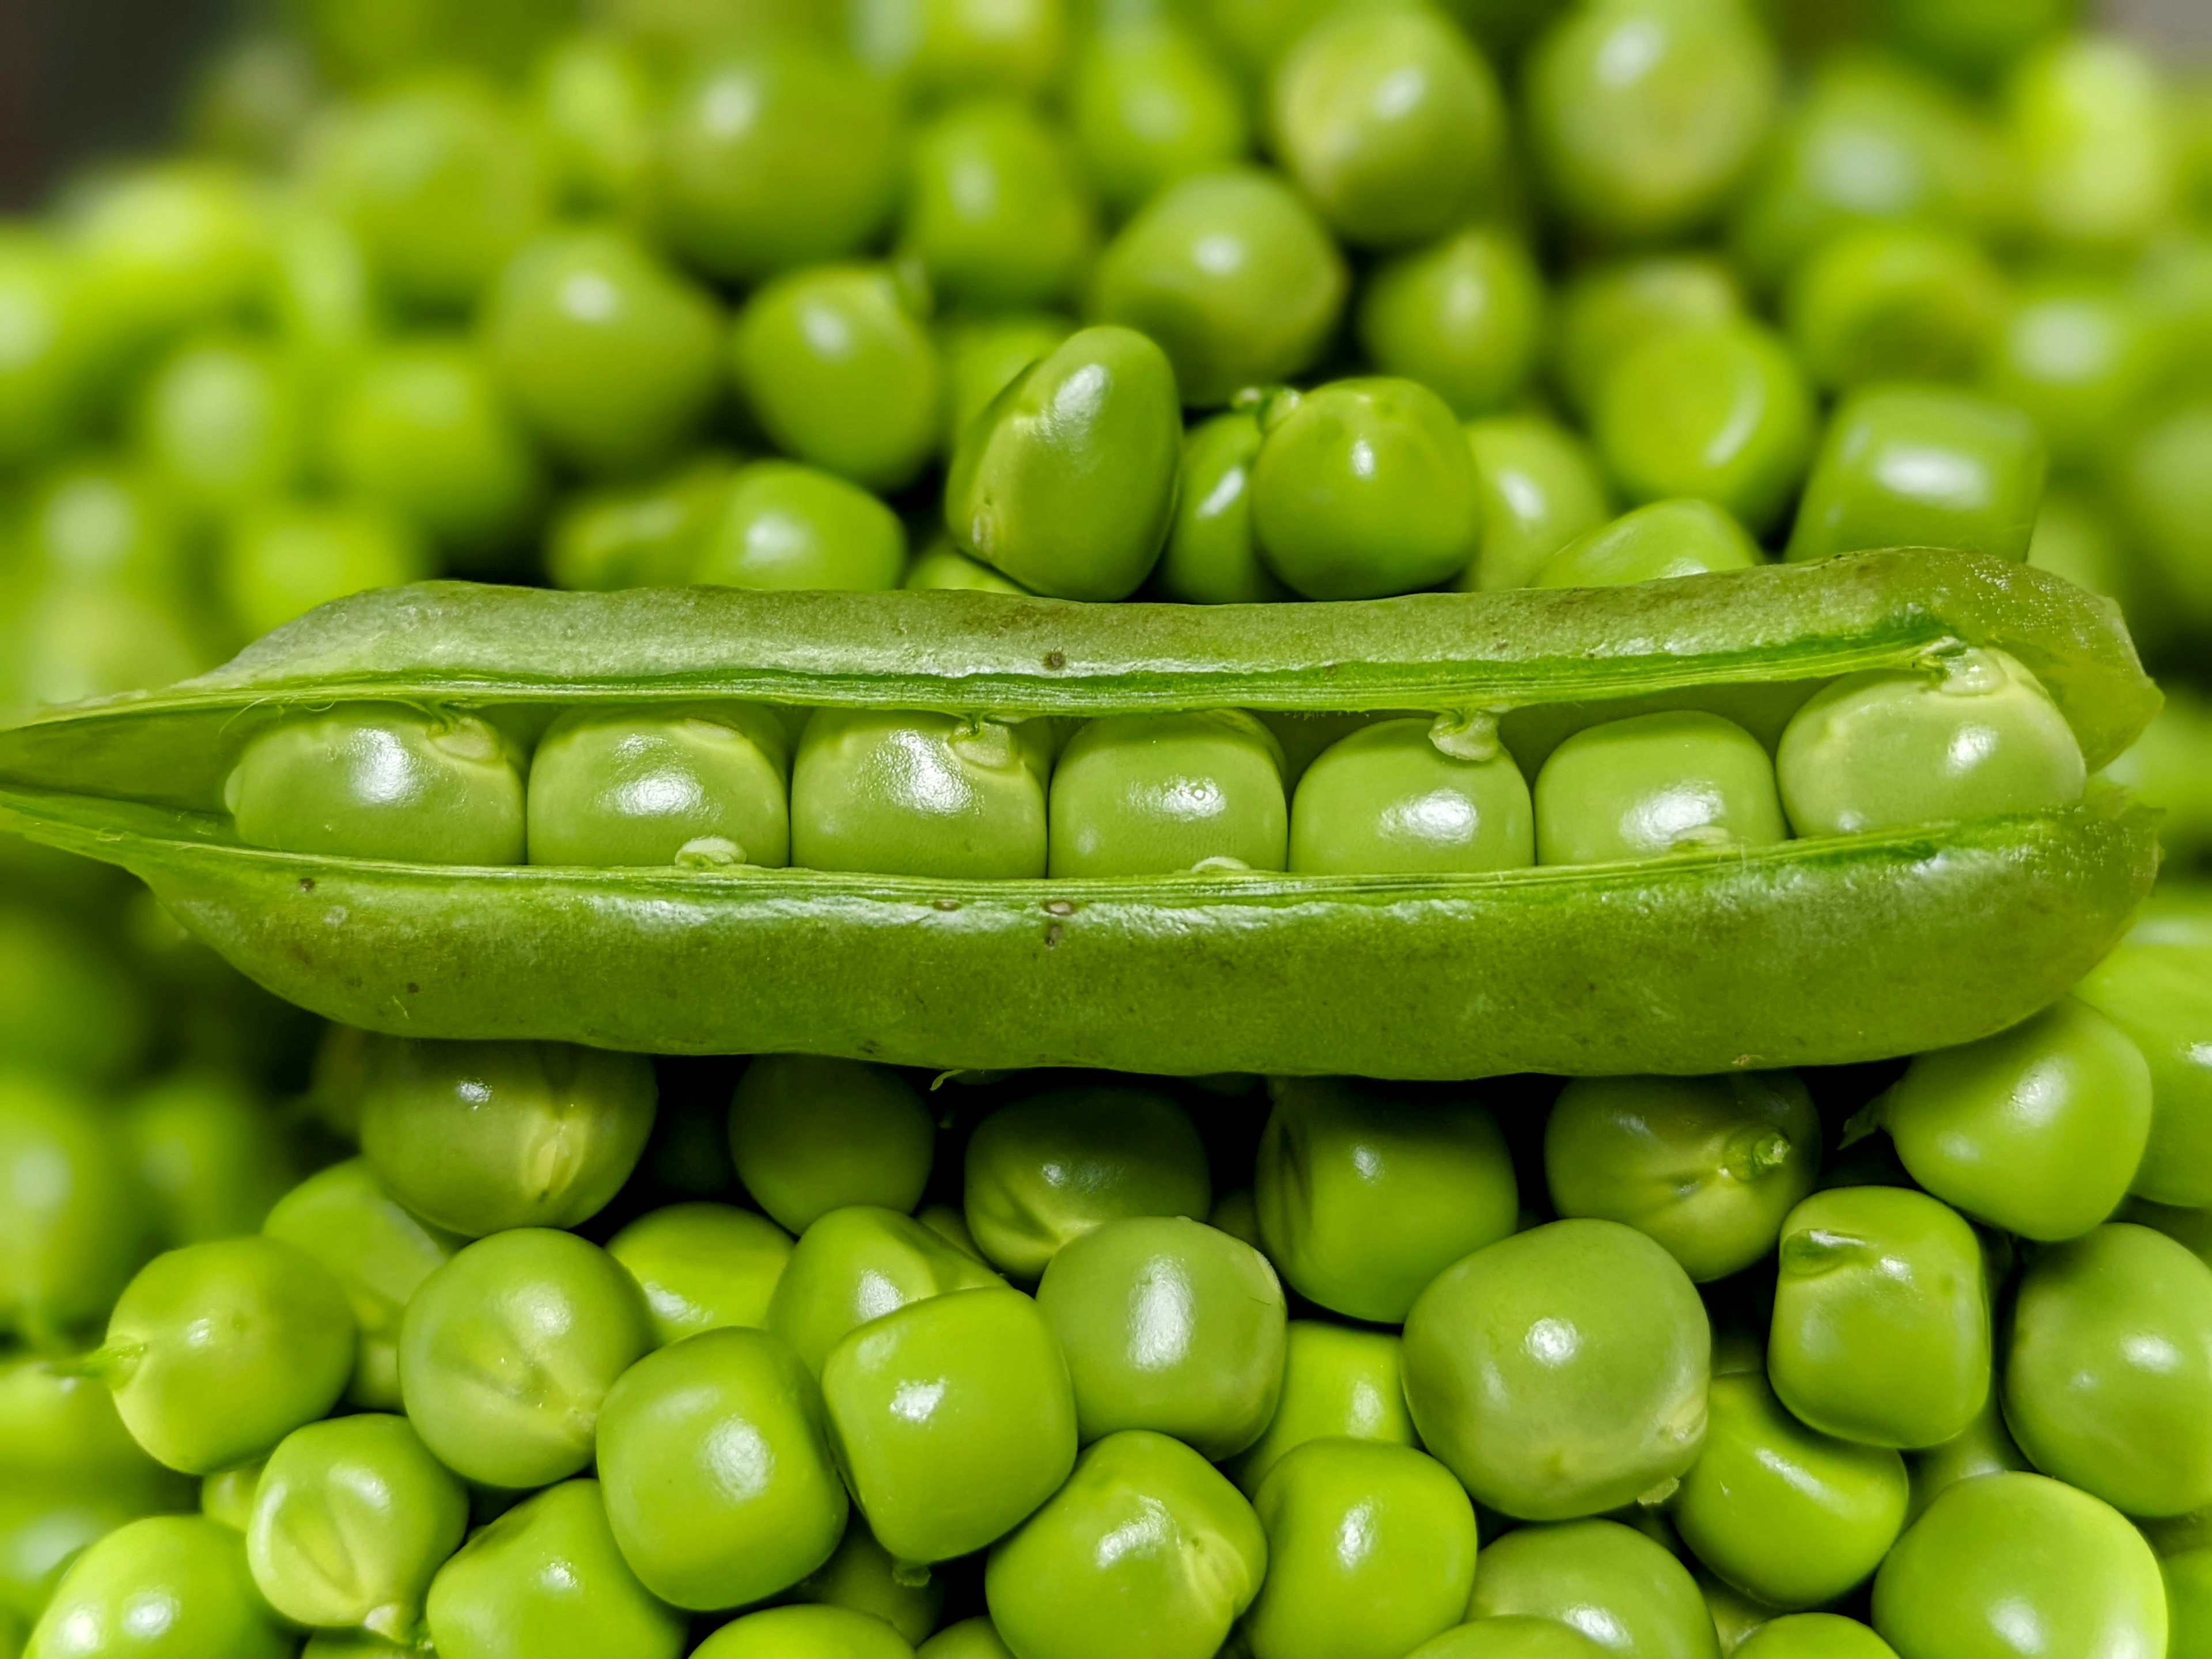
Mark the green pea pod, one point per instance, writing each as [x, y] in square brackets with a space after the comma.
[1822, 950]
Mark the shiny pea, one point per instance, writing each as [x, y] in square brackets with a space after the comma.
[1985, 1447]
[167, 1587]
[74, 1228]
[44, 1523]
[642, 535]
[1339, 1383]
[858, 1264]
[861, 1577]
[528, 1303]
[1609, 308]
[1464, 316]
[695, 785]
[971, 1638]
[1972, 735]
[943, 568]
[919, 794]
[808, 1632]
[1541, 488]
[209, 1153]
[810, 1136]
[1707, 1166]
[1152, 795]
[1656, 543]
[703, 1266]
[1210, 557]
[2160, 997]
[997, 211]
[281, 559]
[1896, 303]
[983, 354]
[1814, 1636]
[1623, 1591]
[1410, 796]
[724, 1429]
[781, 524]
[1511, 1635]
[1149, 104]
[1653, 785]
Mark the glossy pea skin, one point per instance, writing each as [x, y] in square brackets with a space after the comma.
[227, 1494]
[1541, 488]
[1985, 1447]
[996, 211]
[1169, 1325]
[1413, 796]
[2038, 1130]
[167, 1587]
[477, 1137]
[1617, 1587]
[942, 567]
[810, 176]
[985, 354]
[63, 1429]
[782, 524]
[74, 1228]
[220, 423]
[698, 786]
[1787, 1515]
[726, 1430]
[1154, 794]
[805, 1633]
[642, 535]
[1973, 736]
[1813, 1636]
[1149, 104]
[1340, 1382]
[545, 1581]
[1882, 1318]
[1885, 303]
[1232, 274]
[1561, 1372]
[506, 1354]
[1364, 487]
[811, 1135]
[209, 1153]
[1146, 1549]
[1065, 482]
[1510, 1636]
[1464, 316]
[919, 794]
[2108, 1370]
[861, 1577]
[1210, 557]
[1721, 412]
[1653, 785]
[1043, 1172]
[971, 1638]
[1707, 1166]
[839, 373]
[2017, 1565]
[2158, 995]
[858, 1264]
[703, 1266]
[281, 559]
[1366, 1193]
[44, 1521]
[1609, 308]
[1656, 543]
[351, 1519]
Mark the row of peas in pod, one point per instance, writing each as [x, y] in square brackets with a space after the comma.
[1910, 1359]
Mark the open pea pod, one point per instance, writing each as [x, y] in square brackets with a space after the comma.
[1834, 948]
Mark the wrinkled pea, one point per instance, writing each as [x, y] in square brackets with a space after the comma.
[811, 1135]
[703, 1266]
[858, 1264]
[1653, 785]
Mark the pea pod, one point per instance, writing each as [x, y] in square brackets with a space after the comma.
[1825, 949]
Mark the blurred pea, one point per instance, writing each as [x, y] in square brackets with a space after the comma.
[783, 525]
[1210, 557]
[1972, 40]
[46, 1524]
[61, 1431]
[811, 1135]
[594, 97]
[1888, 302]
[1339, 1382]
[997, 211]
[857, 1264]
[209, 1154]
[285, 557]
[1464, 316]
[1656, 543]
[1255, 34]
[941, 566]
[983, 354]
[167, 1584]
[163, 248]
[46, 367]
[94, 517]
[227, 1494]
[74, 1229]
[1598, 1576]
[2089, 126]
[1541, 489]
[1151, 103]
[2184, 1561]
[2076, 355]
[67, 638]
[323, 298]
[220, 425]
[2160, 477]
[361, 41]
[68, 1006]
[861, 1577]
[702, 1266]
[642, 535]
[935, 50]
[1607, 310]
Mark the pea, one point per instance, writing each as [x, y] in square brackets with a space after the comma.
[702, 1266]
[1364, 487]
[1618, 1587]
[997, 211]
[1971, 736]
[2186, 1566]
[1210, 557]
[1984, 1448]
[1734, 1614]
[2158, 996]
[2075, 354]
[807, 171]
[840, 374]
[1882, 1318]
[281, 559]
[208, 1154]
[351, 1519]
[1146, 1549]
[2000, 1564]
[2087, 121]
[1644, 116]
[1413, 796]
[1389, 121]
[1609, 308]
[937, 49]
[1814, 1636]
[1510, 1636]
[1151, 103]
[476, 1137]
[1560, 1372]
[971, 1638]
[74, 1229]
[942, 567]
[1707, 1166]
[227, 1494]
[161, 248]
[1722, 412]
[2156, 480]
[1970, 39]
[546, 1580]
[642, 535]
[1146, 794]
[528, 1303]
[1339, 1383]
[1464, 316]
[1656, 543]
[1066, 481]
[1653, 785]
[595, 101]
[984, 355]
[102, 518]
[699, 786]
[167, 1586]
[1540, 489]
[61, 1430]
[805, 1633]
[811, 1135]
[1365, 1193]
[220, 424]
[861, 1577]
[46, 380]
[856, 1265]
[1891, 303]
[1043, 1171]
[1232, 274]
[919, 794]
[724, 1429]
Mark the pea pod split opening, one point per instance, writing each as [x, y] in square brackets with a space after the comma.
[1732, 949]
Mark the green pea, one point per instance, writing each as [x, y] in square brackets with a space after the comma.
[546, 1581]
[856, 1265]
[840, 374]
[1734, 1614]
[726, 1430]
[281, 559]
[74, 1229]
[2108, 1370]
[2186, 1564]
[1232, 274]
[1413, 796]
[942, 567]
[1150, 105]
[1210, 557]
[702, 1266]
[351, 1519]
[643, 535]
[1643, 118]
[421, 428]
[861, 1577]
[1147, 794]
[61, 1430]
[1146, 1549]
[161, 248]
[1560, 1372]
[2156, 479]
[351, 1645]
[69, 638]
[2037, 1130]
[919, 794]
[323, 298]
[1971, 736]
[1886, 302]
[1339, 1383]
[775, 155]
[937, 49]
[476, 1137]
[1617, 1587]
[96, 518]
[2159, 995]
[1882, 1318]
[227, 1494]
[695, 785]
[1043, 1171]
[1814, 1636]
[46, 379]
[1608, 309]
[1984, 1448]
[805, 1633]
[971, 1638]
[810, 1136]
[594, 99]
[1464, 316]
[1540, 490]
[2015, 1562]
[506, 1354]
[1707, 1166]
[1066, 481]
[949, 1225]
[2089, 125]
[1510, 1636]
[1722, 412]
[1972, 38]
[47, 1523]
[984, 354]
[1656, 543]
[1389, 121]
[997, 211]
[220, 423]
[1364, 487]
[781, 524]
[2076, 354]
[208, 1154]
[167, 1587]
[1653, 785]
[1922, 466]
